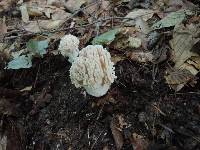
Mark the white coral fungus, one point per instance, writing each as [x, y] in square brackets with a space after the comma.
[93, 70]
[69, 47]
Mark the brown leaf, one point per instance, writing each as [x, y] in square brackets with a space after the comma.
[52, 10]
[178, 78]
[85, 38]
[186, 61]
[40, 25]
[126, 39]
[144, 13]
[103, 7]
[6, 4]
[106, 148]
[192, 65]
[57, 3]
[3, 27]
[60, 14]
[139, 142]
[178, 4]
[182, 43]
[24, 13]
[73, 5]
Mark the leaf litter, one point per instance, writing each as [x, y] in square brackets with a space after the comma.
[155, 49]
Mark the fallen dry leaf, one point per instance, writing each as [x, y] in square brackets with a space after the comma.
[177, 79]
[32, 26]
[121, 122]
[34, 11]
[3, 27]
[142, 25]
[192, 65]
[54, 12]
[73, 5]
[139, 142]
[182, 42]
[134, 42]
[6, 4]
[145, 14]
[50, 24]
[57, 3]
[186, 61]
[60, 15]
[24, 13]
[178, 4]
[140, 17]
[40, 25]
[98, 8]
[126, 38]
[106, 148]
[85, 38]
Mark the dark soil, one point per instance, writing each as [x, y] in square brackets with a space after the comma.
[56, 115]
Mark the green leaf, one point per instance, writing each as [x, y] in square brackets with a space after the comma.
[106, 37]
[172, 19]
[23, 61]
[37, 47]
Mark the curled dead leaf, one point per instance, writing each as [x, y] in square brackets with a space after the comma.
[40, 25]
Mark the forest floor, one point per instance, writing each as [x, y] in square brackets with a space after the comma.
[41, 109]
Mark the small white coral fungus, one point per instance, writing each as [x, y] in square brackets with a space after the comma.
[93, 70]
[69, 47]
